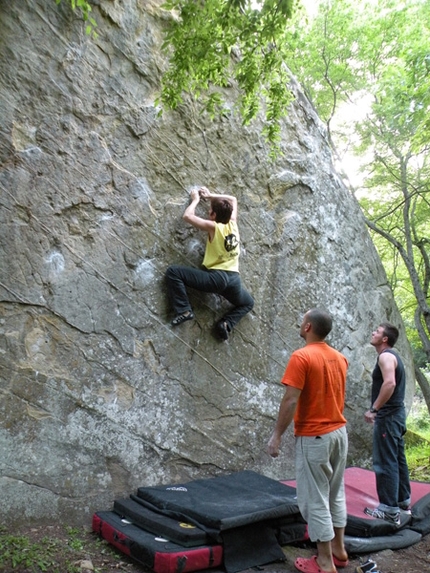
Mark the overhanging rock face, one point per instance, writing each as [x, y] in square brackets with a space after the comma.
[98, 394]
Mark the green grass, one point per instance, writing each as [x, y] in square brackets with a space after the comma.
[18, 552]
[417, 441]
[35, 551]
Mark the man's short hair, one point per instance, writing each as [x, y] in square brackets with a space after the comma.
[222, 209]
[321, 322]
[391, 332]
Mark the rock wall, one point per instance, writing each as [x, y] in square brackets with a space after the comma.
[99, 395]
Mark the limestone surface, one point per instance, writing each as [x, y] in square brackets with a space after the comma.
[99, 395]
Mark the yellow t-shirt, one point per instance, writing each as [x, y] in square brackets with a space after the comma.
[319, 371]
[222, 252]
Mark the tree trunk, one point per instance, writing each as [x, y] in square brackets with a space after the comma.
[423, 383]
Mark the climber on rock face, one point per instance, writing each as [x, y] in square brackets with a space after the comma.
[220, 268]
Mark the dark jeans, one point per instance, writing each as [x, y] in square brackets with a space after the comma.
[225, 283]
[389, 461]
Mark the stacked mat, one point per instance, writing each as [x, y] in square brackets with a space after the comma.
[238, 521]
[242, 520]
[365, 534]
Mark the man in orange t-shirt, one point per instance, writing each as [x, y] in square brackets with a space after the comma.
[315, 383]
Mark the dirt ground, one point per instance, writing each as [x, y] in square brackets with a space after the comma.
[85, 552]
[413, 559]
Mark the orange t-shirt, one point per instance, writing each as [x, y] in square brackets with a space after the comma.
[319, 371]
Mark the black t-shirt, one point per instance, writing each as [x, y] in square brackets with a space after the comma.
[397, 398]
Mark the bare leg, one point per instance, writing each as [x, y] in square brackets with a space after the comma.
[338, 544]
[324, 558]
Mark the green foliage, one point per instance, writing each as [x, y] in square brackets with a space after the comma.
[85, 9]
[75, 541]
[18, 552]
[417, 440]
[381, 50]
[36, 552]
[320, 54]
[215, 43]
[418, 458]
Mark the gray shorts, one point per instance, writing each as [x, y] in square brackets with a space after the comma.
[320, 467]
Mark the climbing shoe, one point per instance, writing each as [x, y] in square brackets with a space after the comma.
[182, 318]
[223, 329]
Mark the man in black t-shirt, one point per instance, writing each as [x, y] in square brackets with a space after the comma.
[388, 416]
